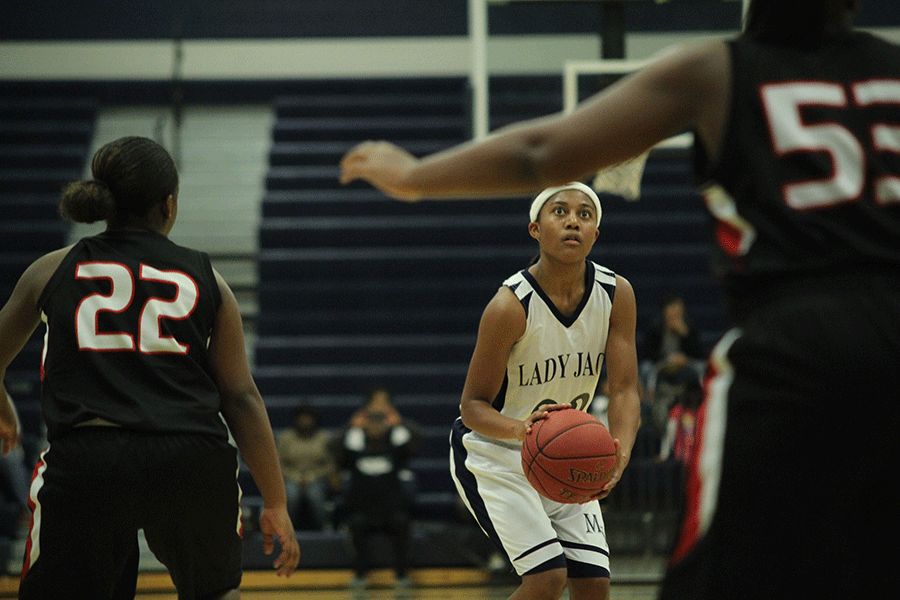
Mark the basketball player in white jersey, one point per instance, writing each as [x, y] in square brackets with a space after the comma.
[541, 344]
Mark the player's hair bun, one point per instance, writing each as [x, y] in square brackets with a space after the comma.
[86, 202]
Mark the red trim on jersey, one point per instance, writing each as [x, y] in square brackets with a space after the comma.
[34, 525]
[730, 238]
[690, 527]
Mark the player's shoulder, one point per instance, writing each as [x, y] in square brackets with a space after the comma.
[518, 286]
[623, 284]
[602, 274]
[506, 309]
[624, 298]
[517, 279]
[693, 61]
[42, 269]
[696, 52]
[37, 276]
[506, 303]
[52, 259]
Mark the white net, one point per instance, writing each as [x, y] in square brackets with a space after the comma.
[623, 179]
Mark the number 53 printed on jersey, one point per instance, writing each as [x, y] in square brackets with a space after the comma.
[783, 103]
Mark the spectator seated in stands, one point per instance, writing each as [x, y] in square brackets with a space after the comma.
[310, 472]
[374, 449]
[672, 355]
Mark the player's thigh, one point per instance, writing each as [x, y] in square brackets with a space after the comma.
[582, 532]
[509, 510]
[192, 519]
[83, 527]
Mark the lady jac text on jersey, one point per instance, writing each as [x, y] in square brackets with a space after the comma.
[580, 364]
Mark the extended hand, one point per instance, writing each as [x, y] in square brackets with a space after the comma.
[383, 165]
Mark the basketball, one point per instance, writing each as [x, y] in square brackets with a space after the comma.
[568, 456]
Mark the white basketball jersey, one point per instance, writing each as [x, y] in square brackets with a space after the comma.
[558, 359]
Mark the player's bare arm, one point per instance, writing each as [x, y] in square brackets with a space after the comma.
[679, 91]
[19, 317]
[246, 416]
[622, 372]
[502, 323]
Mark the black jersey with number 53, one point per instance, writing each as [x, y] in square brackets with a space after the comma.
[808, 177]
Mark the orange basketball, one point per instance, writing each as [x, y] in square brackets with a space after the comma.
[568, 456]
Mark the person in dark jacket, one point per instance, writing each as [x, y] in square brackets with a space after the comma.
[374, 451]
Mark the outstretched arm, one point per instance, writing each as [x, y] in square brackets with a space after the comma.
[684, 89]
[246, 416]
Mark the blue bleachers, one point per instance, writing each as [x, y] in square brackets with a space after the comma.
[45, 135]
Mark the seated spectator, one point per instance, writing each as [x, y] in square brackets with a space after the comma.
[309, 468]
[672, 355]
[374, 450]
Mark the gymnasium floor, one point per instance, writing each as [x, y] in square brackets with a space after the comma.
[331, 586]
[429, 584]
[626, 592]
[634, 578]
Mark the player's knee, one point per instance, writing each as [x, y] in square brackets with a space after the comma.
[546, 585]
[591, 588]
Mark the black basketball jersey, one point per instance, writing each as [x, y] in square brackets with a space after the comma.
[808, 179]
[129, 315]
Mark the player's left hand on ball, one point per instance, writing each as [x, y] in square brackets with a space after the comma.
[621, 462]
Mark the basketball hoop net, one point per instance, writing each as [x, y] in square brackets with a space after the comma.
[623, 179]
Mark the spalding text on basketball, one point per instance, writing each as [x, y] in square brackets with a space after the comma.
[579, 476]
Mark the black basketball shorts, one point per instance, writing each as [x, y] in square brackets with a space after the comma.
[95, 487]
[800, 434]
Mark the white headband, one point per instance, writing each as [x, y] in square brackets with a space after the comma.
[542, 198]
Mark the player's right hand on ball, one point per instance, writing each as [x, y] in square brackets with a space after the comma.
[538, 414]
